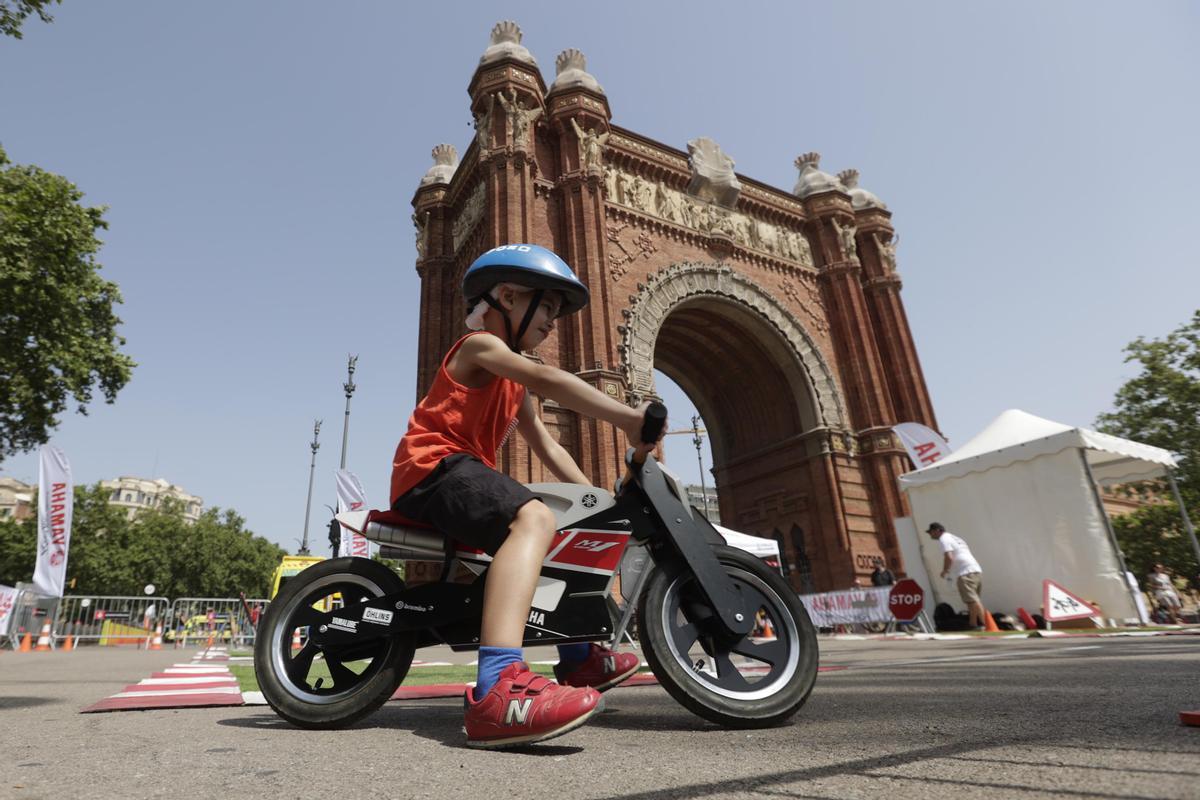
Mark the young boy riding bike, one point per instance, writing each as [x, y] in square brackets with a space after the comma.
[444, 475]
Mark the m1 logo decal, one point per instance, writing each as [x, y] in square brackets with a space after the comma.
[593, 545]
[590, 551]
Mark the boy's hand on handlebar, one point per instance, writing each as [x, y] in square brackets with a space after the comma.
[633, 431]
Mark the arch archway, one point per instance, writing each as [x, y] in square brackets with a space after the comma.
[768, 397]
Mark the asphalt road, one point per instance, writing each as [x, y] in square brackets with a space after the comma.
[1078, 717]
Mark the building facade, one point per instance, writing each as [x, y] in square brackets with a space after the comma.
[16, 499]
[136, 494]
[778, 312]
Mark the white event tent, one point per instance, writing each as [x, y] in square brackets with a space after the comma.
[1023, 495]
[754, 545]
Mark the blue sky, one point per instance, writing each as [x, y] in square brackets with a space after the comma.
[259, 161]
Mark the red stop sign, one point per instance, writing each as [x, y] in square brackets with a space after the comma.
[906, 600]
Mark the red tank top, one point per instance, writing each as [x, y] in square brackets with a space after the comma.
[454, 418]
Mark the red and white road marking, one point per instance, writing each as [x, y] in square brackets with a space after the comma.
[203, 682]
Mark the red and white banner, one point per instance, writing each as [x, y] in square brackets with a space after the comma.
[924, 445]
[849, 607]
[55, 503]
[8, 604]
[351, 497]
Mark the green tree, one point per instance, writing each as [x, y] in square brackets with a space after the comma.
[1161, 407]
[14, 12]
[57, 327]
[111, 555]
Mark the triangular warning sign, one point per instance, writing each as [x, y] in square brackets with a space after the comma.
[1059, 604]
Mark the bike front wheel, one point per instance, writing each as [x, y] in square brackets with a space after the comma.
[314, 687]
[754, 682]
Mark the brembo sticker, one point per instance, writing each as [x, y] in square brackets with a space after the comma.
[378, 616]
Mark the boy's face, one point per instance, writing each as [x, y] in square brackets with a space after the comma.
[543, 318]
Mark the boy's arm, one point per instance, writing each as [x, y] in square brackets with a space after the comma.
[491, 354]
[544, 447]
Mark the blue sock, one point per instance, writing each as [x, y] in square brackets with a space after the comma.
[492, 660]
[573, 653]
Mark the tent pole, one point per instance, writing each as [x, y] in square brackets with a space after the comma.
[1112, 535]
[1187, 522]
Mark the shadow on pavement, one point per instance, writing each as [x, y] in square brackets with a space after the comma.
[24, 702]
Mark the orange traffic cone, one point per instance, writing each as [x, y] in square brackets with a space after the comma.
[157, 643]
[43, 643]
[26, 643]
[296, 644]
[989, 624]
[68, 644]
[768, 631]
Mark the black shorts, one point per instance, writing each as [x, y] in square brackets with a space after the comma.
[466, 500]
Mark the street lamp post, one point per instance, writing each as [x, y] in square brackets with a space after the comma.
[699, 442]
[316, 445]
[349, 387]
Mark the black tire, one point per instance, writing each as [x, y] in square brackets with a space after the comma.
[284, 676]
[673, 618]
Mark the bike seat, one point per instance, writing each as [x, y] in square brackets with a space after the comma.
[415, 539]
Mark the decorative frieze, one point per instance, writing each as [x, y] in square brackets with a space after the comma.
[469, 216]
[622, 253]
[421, 223]
[670, 205]
[650, 152]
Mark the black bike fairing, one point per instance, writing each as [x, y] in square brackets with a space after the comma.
[450, 612]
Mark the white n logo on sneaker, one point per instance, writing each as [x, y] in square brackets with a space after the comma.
[610, 664]
[517, 711]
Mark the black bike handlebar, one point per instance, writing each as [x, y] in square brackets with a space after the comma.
[653, 422]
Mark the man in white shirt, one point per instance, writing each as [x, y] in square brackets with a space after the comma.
[958, 563]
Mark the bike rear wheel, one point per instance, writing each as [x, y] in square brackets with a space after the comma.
[325, 688]
[752, 682]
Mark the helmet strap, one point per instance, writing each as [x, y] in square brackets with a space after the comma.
[538, 294]
[515, 341]
[494, 303]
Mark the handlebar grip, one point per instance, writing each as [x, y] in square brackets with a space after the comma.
[653, 423]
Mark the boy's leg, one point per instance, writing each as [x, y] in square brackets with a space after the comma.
[510, 704]
[512, 576]
[512, 580]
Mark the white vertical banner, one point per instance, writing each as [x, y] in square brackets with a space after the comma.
[924, 445]
[351, 497]
[55, 503]
[8, 604]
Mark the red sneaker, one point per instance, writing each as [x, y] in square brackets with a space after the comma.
[524, 707]
[602, 669]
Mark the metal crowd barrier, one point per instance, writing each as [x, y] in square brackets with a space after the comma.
[107, 621]
[219, 620]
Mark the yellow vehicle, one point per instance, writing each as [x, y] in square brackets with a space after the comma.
[290, 567]
[221, 627]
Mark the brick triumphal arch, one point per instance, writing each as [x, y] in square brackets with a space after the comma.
[778, 312]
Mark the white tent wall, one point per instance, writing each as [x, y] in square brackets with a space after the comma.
[909, 540]
[1025, 522]
[755, 545]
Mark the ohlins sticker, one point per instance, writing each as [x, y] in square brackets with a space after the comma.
[378, 616]
[349, 625]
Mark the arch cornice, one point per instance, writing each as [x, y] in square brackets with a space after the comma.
[667, 289]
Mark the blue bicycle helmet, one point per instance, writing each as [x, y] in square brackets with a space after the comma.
[524, 265]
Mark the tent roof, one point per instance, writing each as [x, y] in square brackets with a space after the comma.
[755, 545]
[1017, 435]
